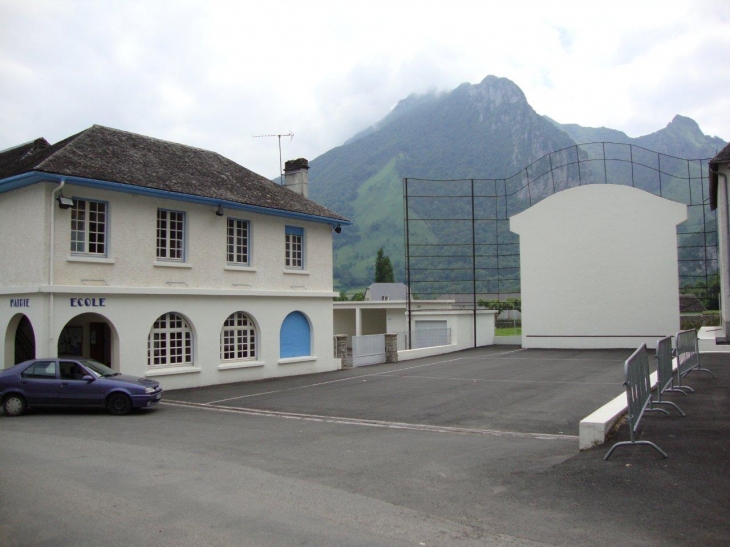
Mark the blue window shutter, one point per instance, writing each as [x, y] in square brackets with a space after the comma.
[294, 339]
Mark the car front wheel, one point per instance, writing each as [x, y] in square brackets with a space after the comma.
[119, 404]
[14, 405]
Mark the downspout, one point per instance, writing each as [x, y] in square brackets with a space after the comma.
[51, 339]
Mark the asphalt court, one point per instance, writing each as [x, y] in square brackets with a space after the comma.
[490, 390]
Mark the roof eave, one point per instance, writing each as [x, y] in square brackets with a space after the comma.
[713, 165]
[34, 177]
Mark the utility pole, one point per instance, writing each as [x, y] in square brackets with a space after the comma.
[281, 166]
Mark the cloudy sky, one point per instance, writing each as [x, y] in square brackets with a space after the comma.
[215, 73]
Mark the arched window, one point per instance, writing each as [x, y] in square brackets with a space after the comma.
[170, 342]
[238, 338]
[295, 336]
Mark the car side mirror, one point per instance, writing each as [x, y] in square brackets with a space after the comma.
[88, 378]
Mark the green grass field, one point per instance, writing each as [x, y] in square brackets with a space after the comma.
[511, 331]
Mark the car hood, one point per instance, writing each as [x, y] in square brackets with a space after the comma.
[128, 379]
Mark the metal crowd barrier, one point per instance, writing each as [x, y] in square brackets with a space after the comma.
[688, 357]
[665, 372]
[638, 395]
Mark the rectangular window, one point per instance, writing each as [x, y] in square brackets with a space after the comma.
[88, 227]
[170, 235]
[238, 242]
[294, 253]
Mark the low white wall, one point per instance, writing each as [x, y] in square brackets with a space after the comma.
[461, 323]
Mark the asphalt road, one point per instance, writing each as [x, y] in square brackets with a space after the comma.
[335, 472]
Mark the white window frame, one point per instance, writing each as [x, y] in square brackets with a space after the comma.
[294, 248]
[236, 241]
[84, 229]
[239, 338]
[170, 342]
[170, 243]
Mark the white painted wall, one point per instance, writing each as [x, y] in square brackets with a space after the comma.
[132, 248]
[132, 316]
[24, 242]
[461, 323]
[599, 268]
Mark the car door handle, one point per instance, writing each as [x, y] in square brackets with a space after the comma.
[64, 383]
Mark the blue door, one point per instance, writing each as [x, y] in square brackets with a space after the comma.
[295, 336]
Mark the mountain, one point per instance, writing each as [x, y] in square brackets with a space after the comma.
[475, 131]
[682, 137]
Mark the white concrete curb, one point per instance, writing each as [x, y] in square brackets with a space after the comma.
[593, 429]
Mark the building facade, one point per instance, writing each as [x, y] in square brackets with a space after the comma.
[162, 260]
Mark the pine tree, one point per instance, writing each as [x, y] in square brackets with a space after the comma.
[383, 268]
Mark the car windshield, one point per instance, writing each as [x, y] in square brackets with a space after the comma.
[98, 369]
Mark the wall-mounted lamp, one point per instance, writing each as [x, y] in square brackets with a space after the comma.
[219, 212]
[64, 203]
[337, 229]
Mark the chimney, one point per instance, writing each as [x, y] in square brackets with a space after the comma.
[296, 176]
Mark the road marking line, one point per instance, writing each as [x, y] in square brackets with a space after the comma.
[374, 423]
[509, 381]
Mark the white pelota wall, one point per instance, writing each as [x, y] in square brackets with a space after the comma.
[599, 268]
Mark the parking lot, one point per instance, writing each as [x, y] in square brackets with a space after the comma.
[474, 448]
[488, 389]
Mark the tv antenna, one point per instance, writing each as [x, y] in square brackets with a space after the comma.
[281, 167]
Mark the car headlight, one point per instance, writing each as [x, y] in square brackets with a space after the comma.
[150, 389]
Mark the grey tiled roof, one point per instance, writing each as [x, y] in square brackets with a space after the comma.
[111, 155]
[723, 156]
[392, 291]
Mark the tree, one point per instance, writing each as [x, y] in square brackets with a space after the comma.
[342, 297]
[383, 268]
[501, 305]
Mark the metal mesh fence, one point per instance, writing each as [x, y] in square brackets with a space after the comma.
[459, 245]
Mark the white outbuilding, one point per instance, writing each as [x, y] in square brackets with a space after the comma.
[162, 260]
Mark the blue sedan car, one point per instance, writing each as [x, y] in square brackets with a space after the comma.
[73, 382]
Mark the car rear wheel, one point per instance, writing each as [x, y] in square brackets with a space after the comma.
[14, 405]
[119, 404]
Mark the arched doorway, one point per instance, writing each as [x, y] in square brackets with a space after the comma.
[92, 336]
[19, 341]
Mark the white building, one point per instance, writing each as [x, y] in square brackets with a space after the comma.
[162, 260]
